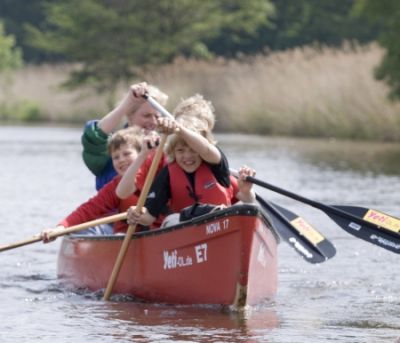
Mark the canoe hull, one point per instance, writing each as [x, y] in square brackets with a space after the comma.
[229, 258]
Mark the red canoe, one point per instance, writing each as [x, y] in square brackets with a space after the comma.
[228, 257]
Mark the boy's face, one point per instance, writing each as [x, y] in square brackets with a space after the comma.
[145, 117]
[123, 157]
[188, 159]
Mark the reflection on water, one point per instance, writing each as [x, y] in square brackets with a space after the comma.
[205, 323]
[365, 157]
[375, 158]
[351, 298]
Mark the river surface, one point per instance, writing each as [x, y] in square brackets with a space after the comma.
[354, 297]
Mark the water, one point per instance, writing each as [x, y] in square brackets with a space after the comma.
[353, 297]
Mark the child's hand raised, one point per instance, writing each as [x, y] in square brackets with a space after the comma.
[150, 142]
[168, 125]
[139, 90]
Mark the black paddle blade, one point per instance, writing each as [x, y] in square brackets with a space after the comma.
[375, 227]
[309, 232]
[372, 226]
[300, 235]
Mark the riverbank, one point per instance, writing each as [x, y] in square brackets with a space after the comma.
[304, 92]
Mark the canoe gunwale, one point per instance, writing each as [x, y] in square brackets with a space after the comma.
[242, 209]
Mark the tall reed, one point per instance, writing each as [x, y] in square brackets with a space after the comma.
[321, 92]
[308, 91]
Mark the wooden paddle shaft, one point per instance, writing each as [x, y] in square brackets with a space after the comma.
[143, 195]
[132, 228]
[62, 232]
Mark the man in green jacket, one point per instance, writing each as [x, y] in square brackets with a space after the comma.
[137, 111]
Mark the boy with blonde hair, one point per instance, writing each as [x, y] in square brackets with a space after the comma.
[197, 171]
[197, 107]
[187, 112]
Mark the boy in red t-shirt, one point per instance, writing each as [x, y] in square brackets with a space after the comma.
[126, 147]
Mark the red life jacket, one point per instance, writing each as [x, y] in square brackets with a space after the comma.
[122, 225]
[207, 190]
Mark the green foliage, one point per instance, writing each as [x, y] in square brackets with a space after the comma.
[15, 14]
[10, 56]
[117, 40]
[23, 111]
[386, 13]
[297, 23]
[244, 26]
[243, 21]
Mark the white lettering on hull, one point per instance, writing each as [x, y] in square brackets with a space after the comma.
[216, 227]
[172, 260]
[201, 252]
[213, 228]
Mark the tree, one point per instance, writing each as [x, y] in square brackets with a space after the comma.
[10, 55]
[115, 40]
[324, 22]
[15, 14]
[386, 13]
[234, 38]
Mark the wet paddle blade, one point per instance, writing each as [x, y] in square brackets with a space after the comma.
[355, 220]
[307, 242]
[375, 227]
[307, 230]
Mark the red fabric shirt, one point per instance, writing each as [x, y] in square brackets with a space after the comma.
[144, 170]
[104, 203]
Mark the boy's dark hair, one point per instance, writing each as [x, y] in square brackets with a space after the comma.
[130, 136]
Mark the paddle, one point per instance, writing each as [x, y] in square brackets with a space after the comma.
[370, 225]
[299, 234]
[62, 232]
[139, 205]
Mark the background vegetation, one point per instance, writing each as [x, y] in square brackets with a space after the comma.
[285, 67]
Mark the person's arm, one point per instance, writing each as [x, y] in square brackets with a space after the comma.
[144, 169]
[208, 151]
[221, 170]
[127, 186]
[129, 104]
[246, 192]
[95, 152]
[101, 204]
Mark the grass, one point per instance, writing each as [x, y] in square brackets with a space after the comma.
[305, 92]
